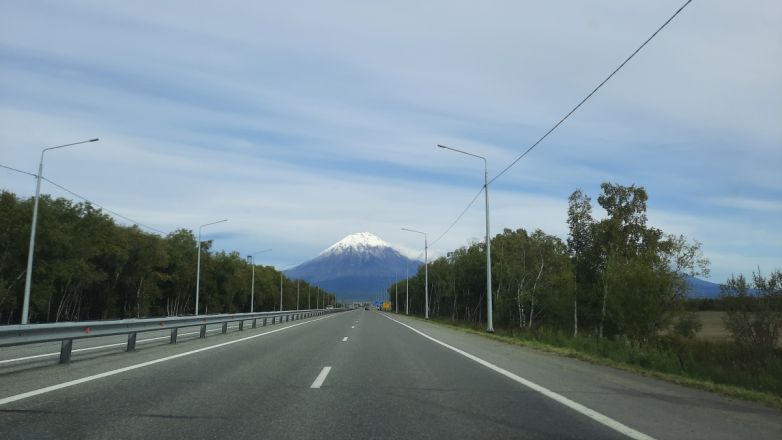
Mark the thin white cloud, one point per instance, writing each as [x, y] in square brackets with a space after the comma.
[752, 204]
[305, 127]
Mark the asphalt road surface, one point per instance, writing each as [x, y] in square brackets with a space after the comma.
[355, 375]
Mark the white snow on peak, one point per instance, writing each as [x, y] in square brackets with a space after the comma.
[359, 241]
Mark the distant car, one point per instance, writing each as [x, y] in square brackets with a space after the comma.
[366, 307]
[329, 307]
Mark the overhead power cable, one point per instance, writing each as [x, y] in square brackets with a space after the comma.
[528, 150]
[18, 171]
[459, 217]
[521, 156]
[88, 201]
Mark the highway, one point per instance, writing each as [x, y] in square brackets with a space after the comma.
[355, 375]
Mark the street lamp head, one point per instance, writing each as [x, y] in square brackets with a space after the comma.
[94, 140]
[441, 146]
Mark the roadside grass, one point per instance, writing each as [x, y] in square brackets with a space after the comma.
[714, 366]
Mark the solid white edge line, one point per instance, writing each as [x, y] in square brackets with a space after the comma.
[71, 383]
[345, 339]
[321, 377]
[592, 414]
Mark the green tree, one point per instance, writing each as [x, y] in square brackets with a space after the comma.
[754, 318]
[580, 245]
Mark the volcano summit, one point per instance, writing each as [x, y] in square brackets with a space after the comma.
[356, 267]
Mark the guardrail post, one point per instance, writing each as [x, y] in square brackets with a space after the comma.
[131, 342]
[203, 332]
[65, 350]
[225, 327]
[241, 325]
[173, 335]
[255, 323]
[264, 322]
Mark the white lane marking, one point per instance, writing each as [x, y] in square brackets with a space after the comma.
[36, 356]
[321, 377]
[345, 339]
[592, 414]
[352, 326]
[71, 383]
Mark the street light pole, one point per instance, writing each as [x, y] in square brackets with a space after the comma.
[252, 285]
[28, 278]
[489, 307]
[426, 271]
[297, 294]
[407, 288]
[198, 266]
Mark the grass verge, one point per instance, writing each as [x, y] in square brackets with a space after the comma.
[636, 364]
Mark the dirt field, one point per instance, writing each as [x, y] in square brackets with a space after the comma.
[714, 327]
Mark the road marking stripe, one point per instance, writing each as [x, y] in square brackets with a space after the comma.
[345, 339]
[592, 414]
[321, 377]
[36, 356]
[352, 326]
[71, 383]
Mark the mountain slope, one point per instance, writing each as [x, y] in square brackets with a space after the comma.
[357, 267]
[702, 289]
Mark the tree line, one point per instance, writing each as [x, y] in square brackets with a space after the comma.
[89, 267]
[616, 277]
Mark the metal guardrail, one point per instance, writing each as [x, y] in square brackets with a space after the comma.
[66, 332]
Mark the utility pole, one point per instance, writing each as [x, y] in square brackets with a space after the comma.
[396, 292]
[198, 264]
[489, 306]
[407, 288]
[28, 276]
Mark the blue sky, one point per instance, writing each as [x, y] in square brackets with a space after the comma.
[303, 122]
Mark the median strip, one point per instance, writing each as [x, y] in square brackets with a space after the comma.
[118, 344]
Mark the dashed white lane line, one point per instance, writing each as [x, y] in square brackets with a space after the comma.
[345, 339]
[592, 414]
[321, 377]
[352, 326]
[71, 383]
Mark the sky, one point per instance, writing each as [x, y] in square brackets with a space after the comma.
[302, 122]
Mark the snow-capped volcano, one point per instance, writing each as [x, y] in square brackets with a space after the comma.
[357, 267]
[359, 242]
